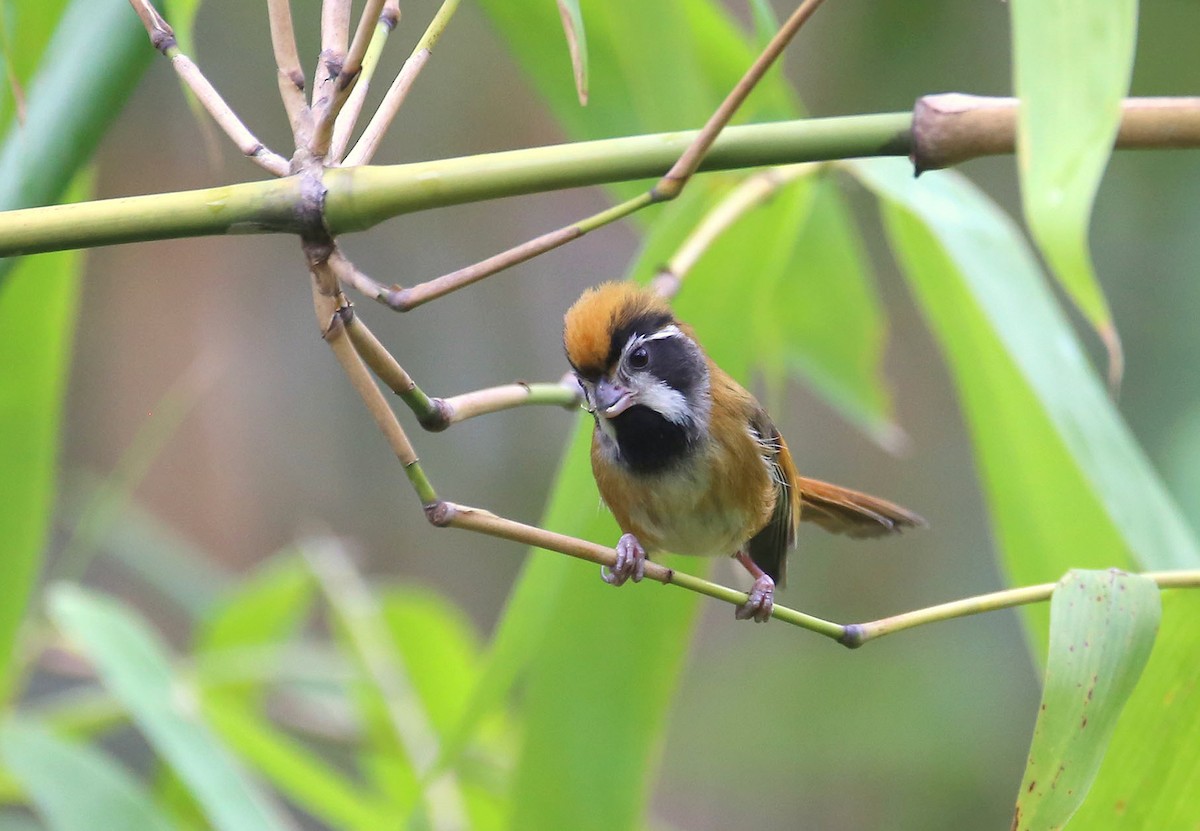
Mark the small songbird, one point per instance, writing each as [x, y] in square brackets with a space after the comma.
[687, 460]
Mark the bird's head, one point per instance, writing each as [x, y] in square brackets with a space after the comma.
[643, 375]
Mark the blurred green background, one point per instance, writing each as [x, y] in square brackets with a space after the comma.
[928, 730]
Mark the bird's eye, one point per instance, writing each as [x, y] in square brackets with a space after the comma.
[639, 357]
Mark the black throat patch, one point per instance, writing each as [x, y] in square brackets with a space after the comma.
[648, 443]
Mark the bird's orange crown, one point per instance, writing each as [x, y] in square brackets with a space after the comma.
[597, 326]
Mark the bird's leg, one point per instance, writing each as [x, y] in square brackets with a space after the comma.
[631, 562]
[762, 597]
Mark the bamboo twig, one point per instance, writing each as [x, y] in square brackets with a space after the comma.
[437, 414]
[291, 76]
[343, 127]
[348, 70]
[162, 36]
[369, 141]
[335, 34]
[667, 188]
[748, 195]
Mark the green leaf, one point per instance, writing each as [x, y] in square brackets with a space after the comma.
[439, 647]
[181, 14]
[95, 56]
[1151, 775]
[75, 787]
[302, 776]
[572, 23]
[1102, 627]
[1067, 484]
[25, 29]
[37, 308]
[1072, 63]
[602, 678]
[260, 612]
[134, 664]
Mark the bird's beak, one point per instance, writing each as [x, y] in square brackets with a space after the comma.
[612, 399]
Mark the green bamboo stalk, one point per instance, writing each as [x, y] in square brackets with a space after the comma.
[358, 198]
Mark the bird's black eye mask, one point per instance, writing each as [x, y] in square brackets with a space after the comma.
[643, 324]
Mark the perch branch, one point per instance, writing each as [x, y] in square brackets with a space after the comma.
[368, 142]
[162, 37]
[856, 634]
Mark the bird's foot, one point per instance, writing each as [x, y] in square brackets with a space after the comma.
[631, 562]
[760, 603]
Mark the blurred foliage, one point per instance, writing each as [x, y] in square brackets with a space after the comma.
[309, 696]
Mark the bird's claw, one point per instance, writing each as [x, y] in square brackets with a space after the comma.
[631, 562]
[760, 603]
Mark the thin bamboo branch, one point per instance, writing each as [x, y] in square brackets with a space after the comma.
[565, 393]
[335, 34]
[407, 299]
[388, 370]
[368, 143]
[856, 634]
[290, 74]
[436, 414]
[327, 302]
[344, 125]
[343, 82]
[162, 36]
[686, 166]
[667, 188]
[747, 196]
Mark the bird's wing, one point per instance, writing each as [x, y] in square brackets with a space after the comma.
[769, 547]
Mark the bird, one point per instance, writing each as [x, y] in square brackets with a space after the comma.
[686, 458]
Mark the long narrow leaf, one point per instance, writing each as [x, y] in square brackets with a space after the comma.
[1151, 776]
[1102, 627]
[97, 53]
[37, 307]
[1072, 63]
[135, 666]
[1069, 486]
[75, 787]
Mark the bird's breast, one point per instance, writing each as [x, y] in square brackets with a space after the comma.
[694, 508]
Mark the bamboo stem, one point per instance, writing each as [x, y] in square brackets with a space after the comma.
[359, 198]
[952, 128]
